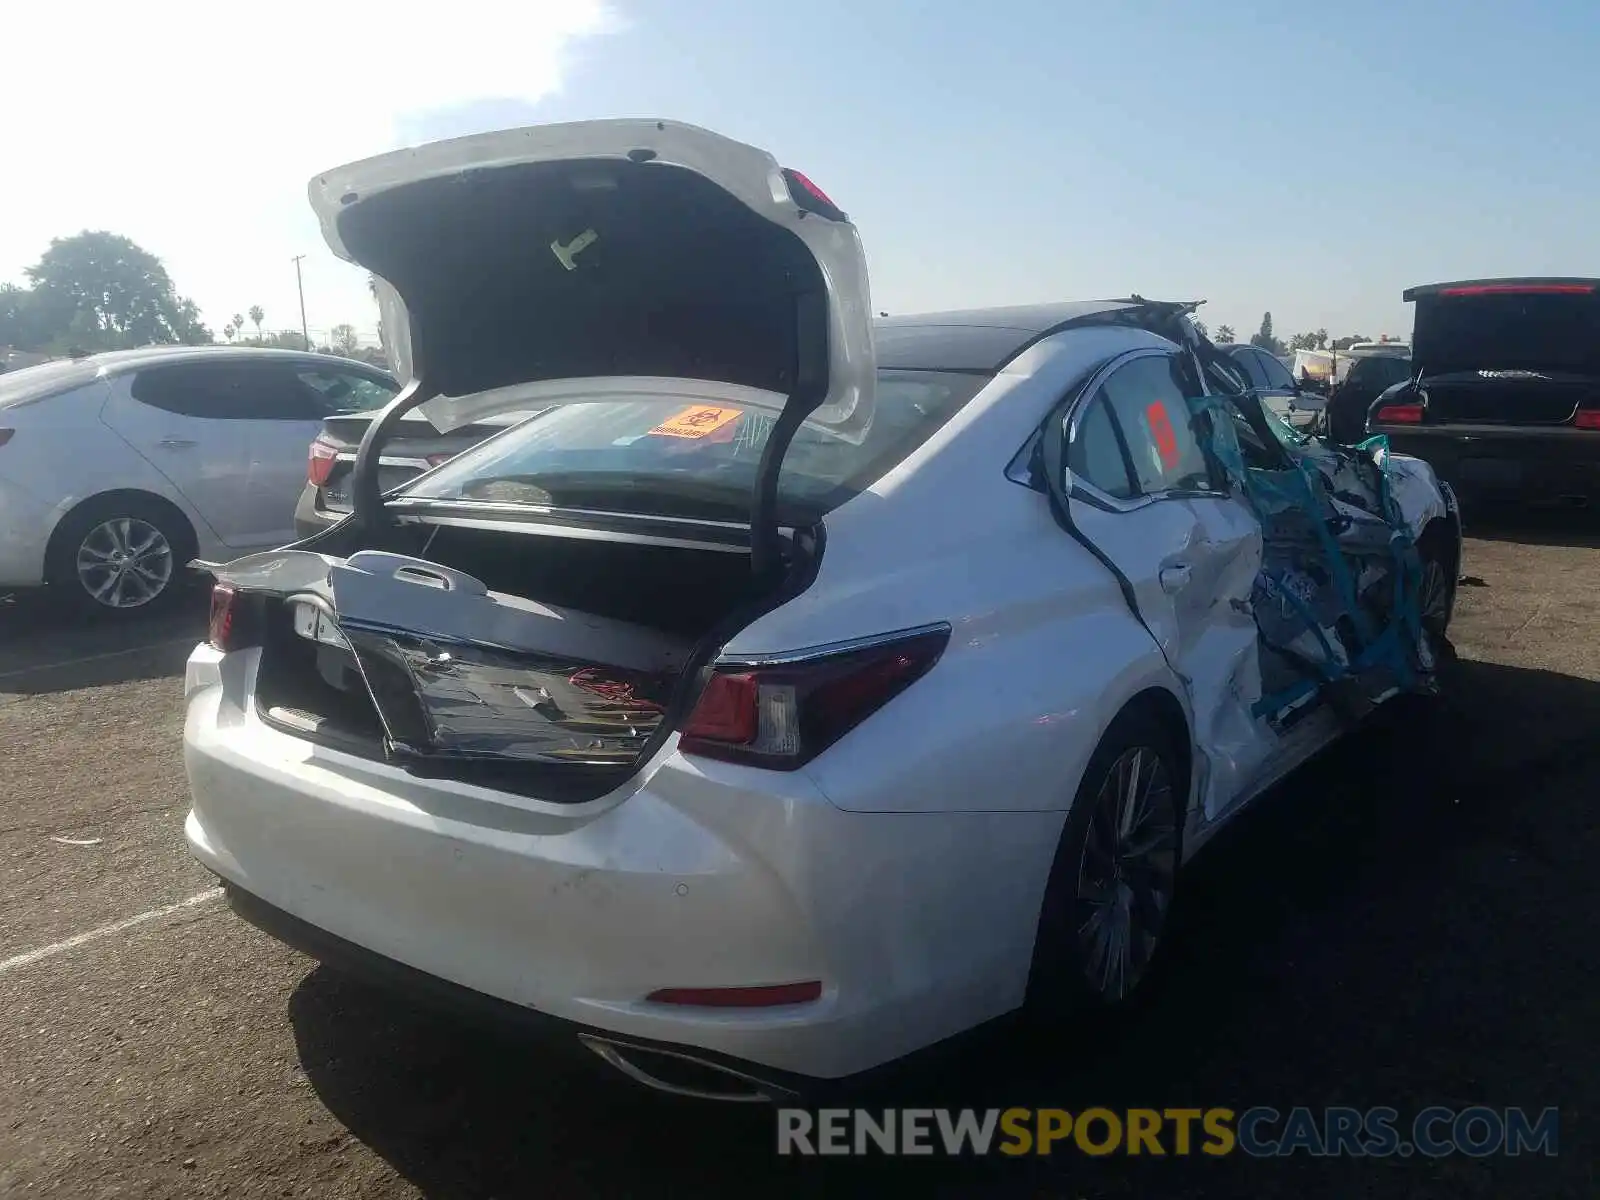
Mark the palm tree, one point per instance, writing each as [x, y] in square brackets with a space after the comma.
[257, 315]
[228, 331]
[238, 323]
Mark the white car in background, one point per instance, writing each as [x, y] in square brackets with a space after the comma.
[800, 691]
[118, 469]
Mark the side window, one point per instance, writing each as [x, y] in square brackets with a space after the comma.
[341, 392]
[226, 392]
[1278, 377]
[270, 392]
[206, 390]
[1147, 400]
[1248, 363]
[1095, 454]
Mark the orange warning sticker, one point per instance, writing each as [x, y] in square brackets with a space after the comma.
[1166, 437]
[697, 421]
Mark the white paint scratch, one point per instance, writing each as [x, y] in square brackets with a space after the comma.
[30, 957]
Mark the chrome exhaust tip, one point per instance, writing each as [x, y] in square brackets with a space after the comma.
[682, 1074]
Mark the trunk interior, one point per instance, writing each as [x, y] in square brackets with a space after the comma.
[557, 683]
[676, 590]
[1507, 402]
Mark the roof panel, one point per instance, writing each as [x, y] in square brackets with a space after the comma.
[975, 339]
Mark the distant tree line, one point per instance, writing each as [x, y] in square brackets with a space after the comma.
[1272, 344]
[100, 291]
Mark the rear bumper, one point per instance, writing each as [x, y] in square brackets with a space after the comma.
[695, 875]
[707, 1074]
[1552, 464]
[308, 518]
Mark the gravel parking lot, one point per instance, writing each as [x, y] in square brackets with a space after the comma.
[1413, 920]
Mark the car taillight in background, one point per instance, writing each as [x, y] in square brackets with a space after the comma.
[320, 463]
[224, 613]
[433, 460]
[783, 715]
[1587, 419]
[1399, 414]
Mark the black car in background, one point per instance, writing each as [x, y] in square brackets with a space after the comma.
[416, 447]
[1350, 402]
[1504, 400]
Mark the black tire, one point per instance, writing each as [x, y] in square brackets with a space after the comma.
[1066, 974]
[156, 544]
[1436, 600]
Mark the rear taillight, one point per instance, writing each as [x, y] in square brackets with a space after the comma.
[320, 463]
[224, 616]
[783, 715]
[433, 460]
[1588, 419]
[6, 435]
[1399, 414]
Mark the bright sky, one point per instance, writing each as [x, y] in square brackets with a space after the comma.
[1236, 151]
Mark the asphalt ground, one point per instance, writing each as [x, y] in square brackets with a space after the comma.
[1413, 920]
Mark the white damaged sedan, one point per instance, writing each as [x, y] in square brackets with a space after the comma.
[798, 690]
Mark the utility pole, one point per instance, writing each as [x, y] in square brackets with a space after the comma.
[305, 332]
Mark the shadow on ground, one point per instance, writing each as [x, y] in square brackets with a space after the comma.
[46, 646]
[1534, 526]
[1411, 920]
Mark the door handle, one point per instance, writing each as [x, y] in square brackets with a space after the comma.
[1174, 578]
[173, 443]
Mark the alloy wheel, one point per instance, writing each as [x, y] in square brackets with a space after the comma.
[125, 562]
[1127, 874]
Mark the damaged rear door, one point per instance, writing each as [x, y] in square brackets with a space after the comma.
[1150, 503]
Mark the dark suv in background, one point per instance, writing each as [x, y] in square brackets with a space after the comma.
[1504, 399]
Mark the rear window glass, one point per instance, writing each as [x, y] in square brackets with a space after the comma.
[1381, 373]
[694, 460]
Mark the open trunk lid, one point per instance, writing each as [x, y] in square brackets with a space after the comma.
[567, 263]
[1513, 351]
[400, 658]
